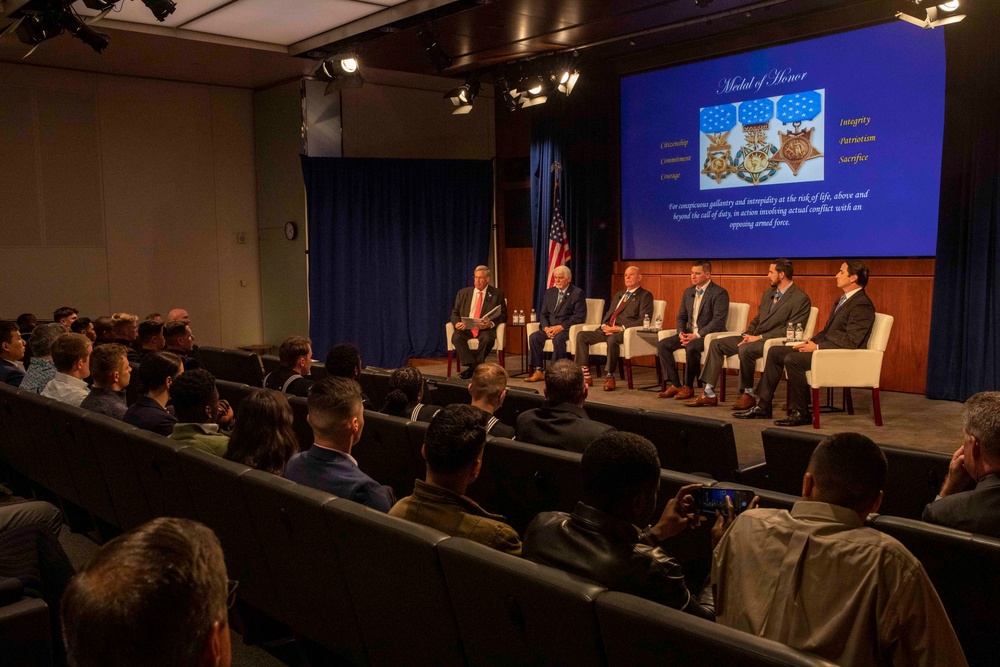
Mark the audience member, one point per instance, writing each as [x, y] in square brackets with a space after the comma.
[453, 448]
[156, 317]
[126, 328]
[488, 388]
[178, 315]
[156, 375]
[26, 322]
[11, 353]
[818, 580]
[263, 437]
[111, 371]
[561, 422]
[295, 357]
[104, 329]
[156, 596]
[344, 361]
[150, 340]
[71, 356]
[42, 370]
[199, 412]
[975, 463]
[406, 391]
[601, 539]
[337, 419]
[85, 326]
[180, 341]
[26, 513]
[65, 315]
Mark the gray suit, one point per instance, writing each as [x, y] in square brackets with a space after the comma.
[977, 511]
[793, 306]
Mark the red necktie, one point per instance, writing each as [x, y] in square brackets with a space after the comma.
[621, 304]
[478, 313]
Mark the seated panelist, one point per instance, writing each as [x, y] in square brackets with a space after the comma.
[477, 301]
[563, 306]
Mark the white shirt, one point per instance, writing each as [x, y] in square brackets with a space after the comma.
[697, 305]
[849, 295]
[67, 389]
[475, 298]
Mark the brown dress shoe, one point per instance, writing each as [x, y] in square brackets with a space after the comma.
[669, 392]
[609, 384]
[537, 376]
[703, 401]
[745, 402]
[684, 393]
[588, 380]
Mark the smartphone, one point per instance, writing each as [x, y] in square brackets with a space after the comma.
[709, 499]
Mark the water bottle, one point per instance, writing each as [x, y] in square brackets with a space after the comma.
[790, 331]
[659, 322]
[532, 314]
[645, 322]
[799, 331]
[518, 318]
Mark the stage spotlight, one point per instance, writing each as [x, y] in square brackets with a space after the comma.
[949, 6]
[340, 75]
[98, 41]
[35, 28]
[161, 8]
[502, 85]
[565, 79]
[532, 91]
[462, 96]
[428, 39]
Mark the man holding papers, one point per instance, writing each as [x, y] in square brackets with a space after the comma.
[480, 304]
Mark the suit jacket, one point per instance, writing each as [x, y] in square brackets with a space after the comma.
[793, 306]
[11, 373]
[640, 304]
[712, 314]
[848, 327]
[149, 415]
[494, 297]
[332, 471]
[572, 310]
[560, 426]
[977, 511]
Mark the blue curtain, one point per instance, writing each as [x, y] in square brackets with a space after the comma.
[390, 243]
[964, 333]
[546, 148]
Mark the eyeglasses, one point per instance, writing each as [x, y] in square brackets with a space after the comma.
[232, 585]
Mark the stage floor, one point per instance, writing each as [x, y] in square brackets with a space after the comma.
[909, 420]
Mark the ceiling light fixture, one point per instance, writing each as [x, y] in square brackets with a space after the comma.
[341, 72]
[429, 41]
[161, 8]
[932, 20]
[462, 96]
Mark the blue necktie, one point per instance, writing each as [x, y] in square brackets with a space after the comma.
[774, 301]
[840, 303]
[699, 292]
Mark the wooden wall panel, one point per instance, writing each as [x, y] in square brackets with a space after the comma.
[517, 279]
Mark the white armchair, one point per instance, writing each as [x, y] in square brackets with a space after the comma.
[736, 324]
[634, 346]
[449, 329]
[851, 368]
[595, 309]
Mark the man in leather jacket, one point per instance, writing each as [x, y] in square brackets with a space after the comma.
[601, 539]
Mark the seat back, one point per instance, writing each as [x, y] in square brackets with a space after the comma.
[54, 472]
[622, 418]
[659, 310]
[879, 338]
[233, 365]
[514, 612]
[686, 443]
[375, 383]
[636, 631]
[962, 566]
[298, 546]
[19, 452]
[234, 392]
[810, 327]
[73, 436]
[270, 362]
[442, 391]
[392, 569]
[384, 453]
[113, 442]
[300, 422]
[737, 317]
[595, 311]
[159, 471]
[517, 401]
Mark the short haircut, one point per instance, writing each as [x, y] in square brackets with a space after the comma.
[488, 382]
[563, 269]
[106, 359]
[148, 597]
[849, 469]
[68, 349]
[65, 311]
[154, 316]
[156, 368]
[483, 267]
[981, 419]
[705, 265]
[102, 325]
[616, 466]
[782, 265]
[7, 331]
[149, 329]
[44, 335]
[455, 438]
[119, 321]
[26, 320]
[173, 330]
[80, 324]
[292, 349]
[858, 267]
[342, 360]
[191, 391]
[564, 382]
[332, 402]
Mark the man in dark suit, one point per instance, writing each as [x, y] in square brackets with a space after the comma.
[704, 307]
[11, 353]
[562, 306]
[781, 304]
[561, 422]
[848, 327]
[976, 463]
[477, 301]
[627, 309]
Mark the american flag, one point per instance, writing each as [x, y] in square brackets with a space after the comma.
[558, 240]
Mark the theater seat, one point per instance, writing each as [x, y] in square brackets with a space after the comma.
[234, 392]
[25, 631]
[640, 632]
[159, 471]
[113, 442]
[384, 453]
[232, 365]
[687, 443]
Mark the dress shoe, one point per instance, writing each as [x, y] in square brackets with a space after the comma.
[609, 384]
[684, 393]
[588, 380]
[467, 373]
[745, 402]
[795, 418]
[537, 376]
[669, 392]
[756, 412]
[703, 401]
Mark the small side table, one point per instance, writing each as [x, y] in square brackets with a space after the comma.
[524, 348]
